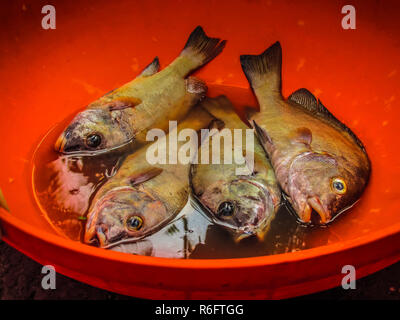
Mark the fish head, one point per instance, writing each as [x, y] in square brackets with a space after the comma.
[242, 204]
[325, 184]
[124, 215]
[93, 130]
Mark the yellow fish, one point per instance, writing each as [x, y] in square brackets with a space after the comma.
[149, 101]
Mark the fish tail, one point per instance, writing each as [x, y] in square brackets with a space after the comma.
[200, 49]
[264, 71]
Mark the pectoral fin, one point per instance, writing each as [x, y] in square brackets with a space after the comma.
[303, 135]
[143, 176]
[123, 103]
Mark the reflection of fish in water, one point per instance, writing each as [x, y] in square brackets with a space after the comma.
[143, 248]
[70, 189]
[71, 182]
[247, 202]
[320, 163]
[180, 237]
[284, 235]
[149, 101]
[142, 198]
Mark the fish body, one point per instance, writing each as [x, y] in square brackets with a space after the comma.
[143, 197]
[320, 163]
[244, 203]
[149, 101]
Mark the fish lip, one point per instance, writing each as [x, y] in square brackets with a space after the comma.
[316, 204]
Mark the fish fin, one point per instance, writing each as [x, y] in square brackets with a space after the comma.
[261, 134]
[264, 69]
[303, 135]
[3, 202]
[196, 86]
[140, 177]
[151, 69]
[123, 103]
[201, 49]
[307, 100]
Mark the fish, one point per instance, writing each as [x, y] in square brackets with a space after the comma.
[245, 204]
[143, 196]
[321, 165]
[124, 116]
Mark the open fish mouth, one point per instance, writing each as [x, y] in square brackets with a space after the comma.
[314, 204]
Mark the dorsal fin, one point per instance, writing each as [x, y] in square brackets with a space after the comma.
[306, 99]
[151, 69]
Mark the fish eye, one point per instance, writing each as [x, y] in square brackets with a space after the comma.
[339, 186]
[134, 223]
[93, 140]
[226, 209]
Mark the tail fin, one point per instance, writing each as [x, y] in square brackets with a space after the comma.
[201, 49]
[265, 69]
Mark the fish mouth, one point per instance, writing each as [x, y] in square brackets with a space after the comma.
[315, 204]
[96, 239]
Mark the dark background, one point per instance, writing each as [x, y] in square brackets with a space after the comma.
[20, 278]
